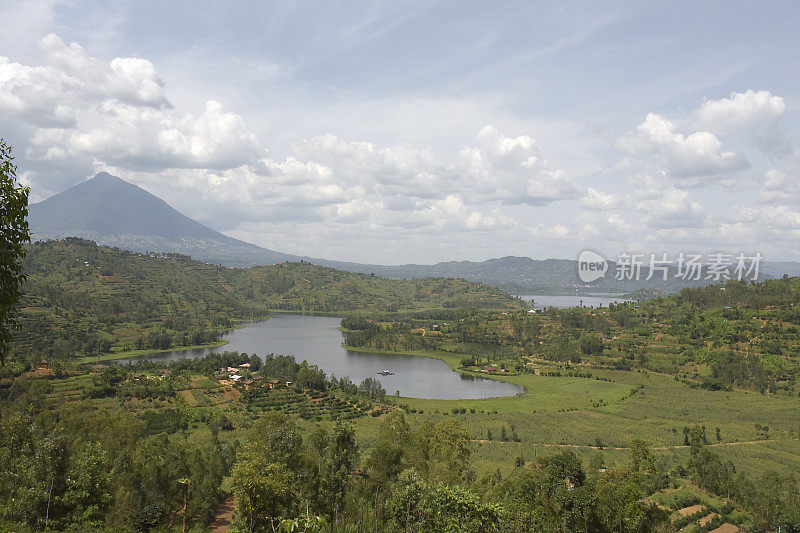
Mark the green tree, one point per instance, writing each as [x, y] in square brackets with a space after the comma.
[591, 344]
[621, 503]
[388, 458]
[87, 494]
[449, 452]
[272, 474]
[409, 504]
[264, 491]
[339, 455]
[13, 235]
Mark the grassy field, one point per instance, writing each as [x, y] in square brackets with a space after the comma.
[592, 416]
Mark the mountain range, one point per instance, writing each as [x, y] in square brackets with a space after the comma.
[113, 212]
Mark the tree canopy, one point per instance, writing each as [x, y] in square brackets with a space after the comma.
[13, 235]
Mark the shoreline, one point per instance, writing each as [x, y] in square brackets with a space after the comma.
[238, 324]
[449, 358]
[452, 360]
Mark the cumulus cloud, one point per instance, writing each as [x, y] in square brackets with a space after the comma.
[686, 158]
[451, 212]
[84, 114]
[660, 204]
[52, 94]
[757, 113]
[400, 168]
[497, 168]
[512, 169]
[741, 110]
[116, 112]
[89, 114]
[776, 188]
[34, 95]
[128, 79]
[142, 137]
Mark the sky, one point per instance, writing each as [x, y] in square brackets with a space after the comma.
[396, 132]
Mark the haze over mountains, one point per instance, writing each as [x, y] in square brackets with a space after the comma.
[113, 212]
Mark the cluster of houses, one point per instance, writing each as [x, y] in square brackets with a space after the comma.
[491, 369]
[234, 374]
[42, 370]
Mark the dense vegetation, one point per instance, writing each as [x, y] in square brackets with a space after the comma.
[679, 413]
[150, 446]
[84, 299]
[716, 337]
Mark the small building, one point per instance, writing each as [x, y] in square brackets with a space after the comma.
[244, 365]
[273, 383]
[232, 369]
[236, 378]
[289, 383]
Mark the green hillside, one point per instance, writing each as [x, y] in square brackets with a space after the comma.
[81, 298]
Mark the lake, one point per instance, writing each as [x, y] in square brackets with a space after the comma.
[319, 341]
[564, 301]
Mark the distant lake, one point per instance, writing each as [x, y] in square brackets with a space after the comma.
[564, 301]
[318, 341]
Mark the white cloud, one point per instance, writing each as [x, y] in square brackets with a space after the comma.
[776, 189]
[660, 204]
[117, 112]
[687, 158]
[134, 137]
[53, 94]
[511, 169]
[128, 79]
[774, 180]
[438, 192]
[598, 200]
[398, 169]
[757, 113]
[35, 95]
[741, 110]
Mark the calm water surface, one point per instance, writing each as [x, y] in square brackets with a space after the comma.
[564, 301]
[318, 341]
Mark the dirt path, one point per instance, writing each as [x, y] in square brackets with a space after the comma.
[548, 445]
[222, 522]
[736, 443]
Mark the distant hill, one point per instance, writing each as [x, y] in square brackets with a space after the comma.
[113, 212]
[777, 269]
[521, 275]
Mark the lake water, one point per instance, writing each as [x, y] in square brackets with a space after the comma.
[318, 341]
[564, 301]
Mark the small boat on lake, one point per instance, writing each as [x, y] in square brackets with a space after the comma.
[385, 373]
